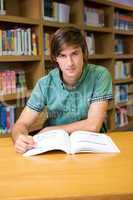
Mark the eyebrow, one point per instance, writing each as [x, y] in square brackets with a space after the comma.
[75, 49]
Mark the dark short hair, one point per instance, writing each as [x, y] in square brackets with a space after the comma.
[69, 36]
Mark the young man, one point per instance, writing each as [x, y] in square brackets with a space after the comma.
[76, 93]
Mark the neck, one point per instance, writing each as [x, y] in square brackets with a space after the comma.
[70, 82]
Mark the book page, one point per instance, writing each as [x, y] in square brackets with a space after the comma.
[50, 140]
[84, 141]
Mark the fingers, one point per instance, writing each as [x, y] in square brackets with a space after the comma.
[24, 143]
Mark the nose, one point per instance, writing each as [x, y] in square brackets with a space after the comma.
[69, 61]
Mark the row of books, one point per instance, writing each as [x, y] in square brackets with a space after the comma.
[93, 17]
[123, 93]
[123, 22]
[55, 11]
[12, 82]
[18, 41]
[7, 118]
[89, 39]
[122, 70]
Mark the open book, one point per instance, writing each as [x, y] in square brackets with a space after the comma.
[78, 141]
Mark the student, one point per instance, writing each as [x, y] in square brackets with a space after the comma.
[76, 93]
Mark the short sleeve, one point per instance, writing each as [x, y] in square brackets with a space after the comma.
[103, 86]
[37, 101]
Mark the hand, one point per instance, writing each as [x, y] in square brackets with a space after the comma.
[24, 143]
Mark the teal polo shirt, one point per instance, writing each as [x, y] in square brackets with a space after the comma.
[67, 105]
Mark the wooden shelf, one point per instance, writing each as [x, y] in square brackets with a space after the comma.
[123, 32]
[123, 56]
[98, 29]
[124, 104]
[99, 56]
[57, 24]
[19, 58]
[102, 2]
[128, 80]
[20, 20]
[10, 97]
[122, 6]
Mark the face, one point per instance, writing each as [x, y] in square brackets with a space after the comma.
[70, 61]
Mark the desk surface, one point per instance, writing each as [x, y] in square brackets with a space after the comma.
[56, 175]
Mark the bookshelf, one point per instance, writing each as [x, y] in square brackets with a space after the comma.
[30, 14]
[20, 16]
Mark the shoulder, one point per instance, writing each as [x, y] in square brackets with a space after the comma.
[98, 71]
[96, 68]
[49, 78]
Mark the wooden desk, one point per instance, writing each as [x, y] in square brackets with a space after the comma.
[56, 175]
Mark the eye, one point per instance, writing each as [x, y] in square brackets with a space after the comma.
[61, 56]
[75, 53]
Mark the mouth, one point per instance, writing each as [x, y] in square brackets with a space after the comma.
[70, 69]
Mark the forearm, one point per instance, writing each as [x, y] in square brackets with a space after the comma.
[93, 122]
[85, 125]
[18, 129]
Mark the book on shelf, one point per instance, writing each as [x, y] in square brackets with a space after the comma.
[119, 45]
[121, 116]
[77, 142]
[121, 93]
[47, 8]
[46, 45]
[33, 44]
[2, 7]
[63, 12]
[90, 40]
